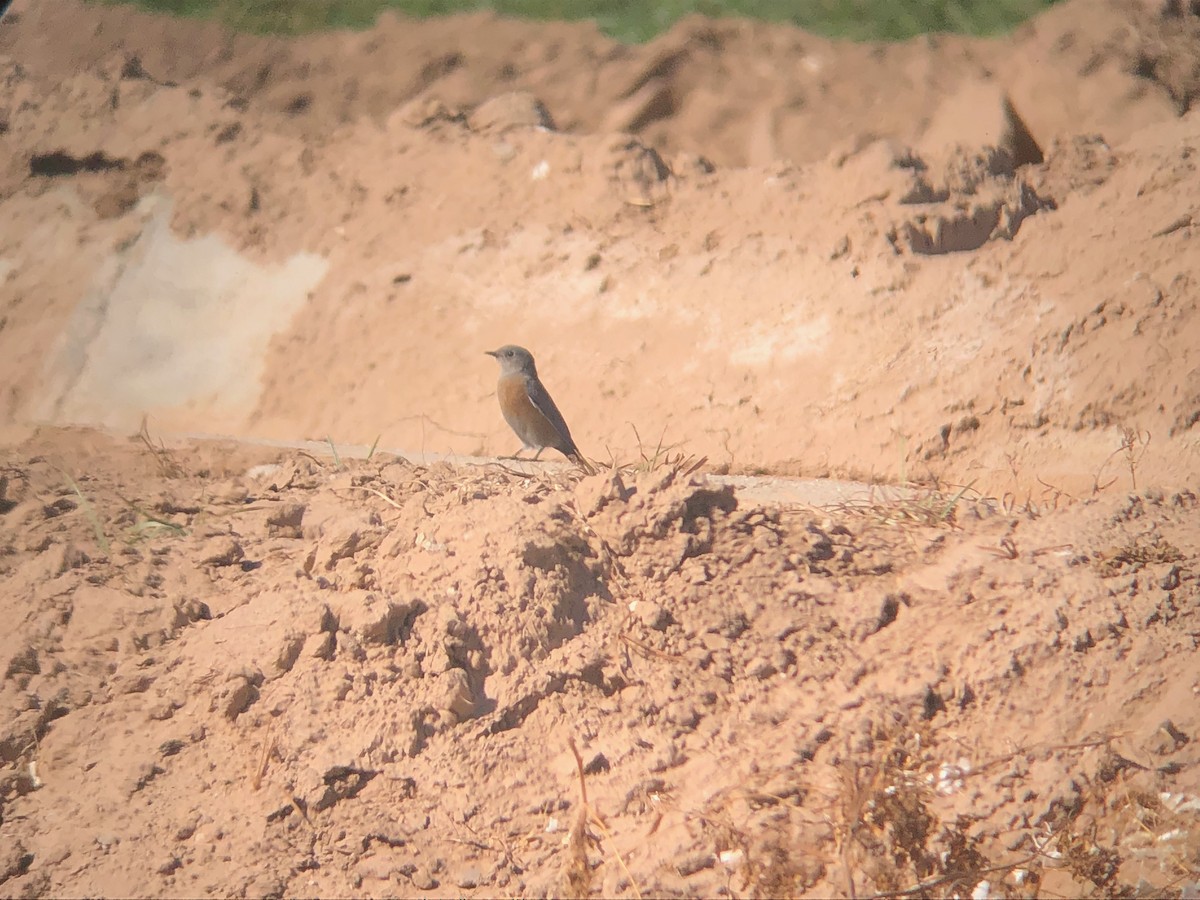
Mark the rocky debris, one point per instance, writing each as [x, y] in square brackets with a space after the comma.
[256, 671]
[517, 109]
[981, 115]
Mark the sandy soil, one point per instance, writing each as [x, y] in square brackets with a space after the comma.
[253, 671]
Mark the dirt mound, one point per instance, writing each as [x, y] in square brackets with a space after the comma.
[256, 675]
[738, 92]
[253, 672]
[888, 312]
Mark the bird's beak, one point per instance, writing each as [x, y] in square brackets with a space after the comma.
[491, 352]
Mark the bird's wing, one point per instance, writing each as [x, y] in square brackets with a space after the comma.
[542, 402]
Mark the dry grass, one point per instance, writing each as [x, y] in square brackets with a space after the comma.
[1134, 444]
[875, 831]
[660, 456]
[939, 505]
[910, 505]
[1136, 555]
[577, 870]
[168, 465]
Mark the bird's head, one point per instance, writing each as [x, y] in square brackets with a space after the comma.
[514, 360]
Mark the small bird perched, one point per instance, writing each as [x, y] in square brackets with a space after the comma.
[529, 409]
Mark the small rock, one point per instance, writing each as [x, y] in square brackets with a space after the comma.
[171, 747]
[106, 839]
[137, 684]
[221, 551]
[289, 652]
[406, 867]
[265, 471]
[696, 571]
[1171, 580]
[732, 859]
[423, 881]
[820, 548]
[516, 109]
[14, 861]
[58, 507]
[761, 669]
[452, 690]
[638, 107]
[932, 704]
[340, 538]
[697, 862]
[25, 662]
[422, 112]
[889, 609]
[594, 493]
[350, 647]
[320, 646]
[265, 884]
[230, 491]
[598, 763]
[652, 615]
[1113, 764]
[63, 557]
[376, 868]
[161, 711]
[1168, 739]
[714, 641]
[683, 715]
[468, 878]
[668, 757]
[782, 658]
[239, 698]
[981, 114]
[187, 829]
[371, 618]
[287, 520]
[144, 774]
[169, 865]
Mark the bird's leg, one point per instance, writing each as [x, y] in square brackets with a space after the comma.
[537, 455]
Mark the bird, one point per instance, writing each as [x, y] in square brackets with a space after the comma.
[528, 408]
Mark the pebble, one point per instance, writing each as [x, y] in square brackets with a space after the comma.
[423, 881]
[468, 878]
[697, 862]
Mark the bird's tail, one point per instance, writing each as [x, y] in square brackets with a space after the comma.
[579, 460]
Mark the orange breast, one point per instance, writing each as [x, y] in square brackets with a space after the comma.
[523, 417]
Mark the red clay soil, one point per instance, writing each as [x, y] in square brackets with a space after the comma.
[241, 671]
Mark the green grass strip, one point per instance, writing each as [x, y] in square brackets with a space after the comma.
[629, 21]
